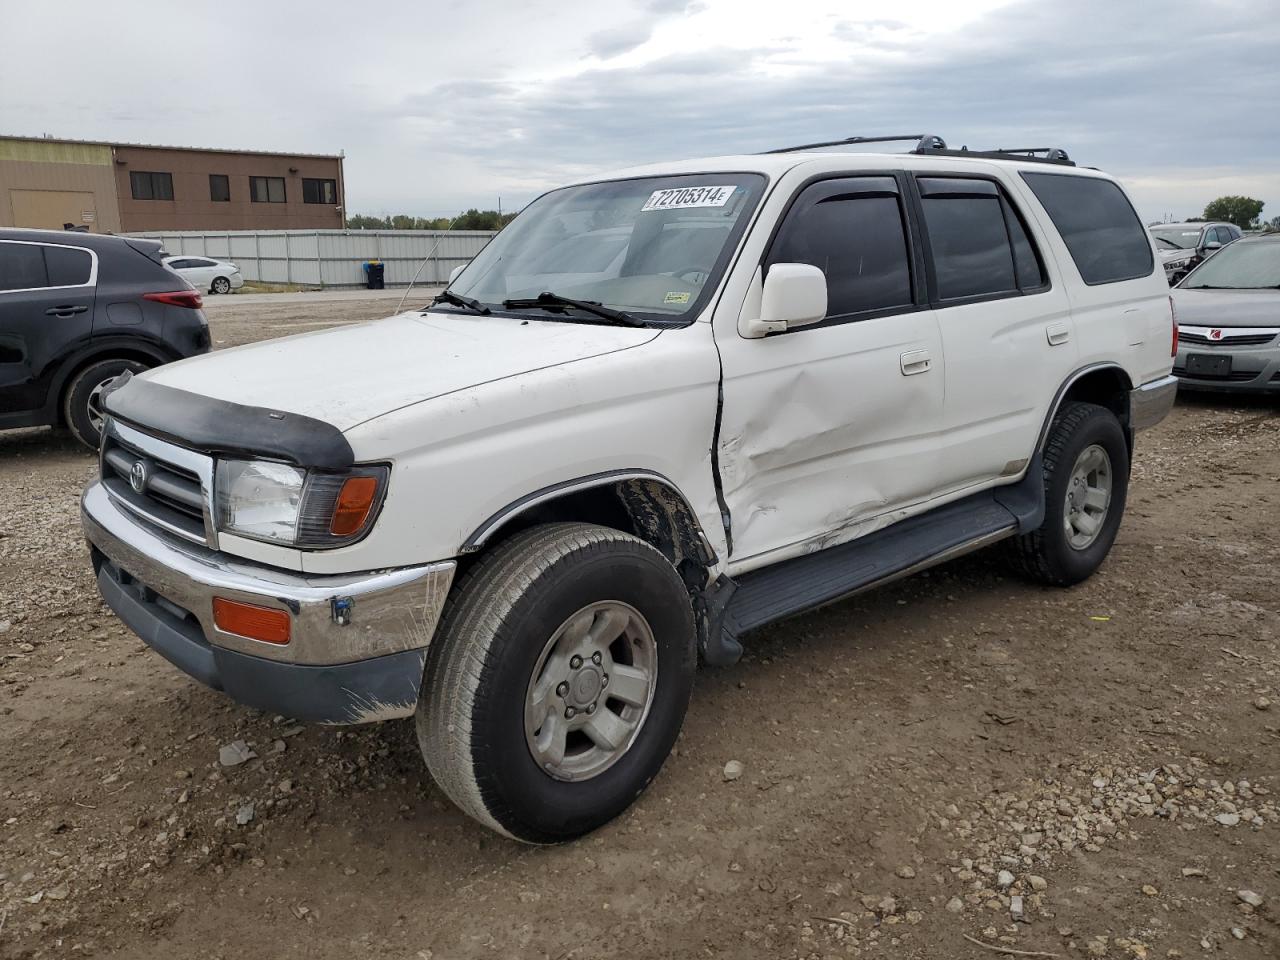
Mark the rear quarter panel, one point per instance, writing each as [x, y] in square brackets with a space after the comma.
[1127, 322]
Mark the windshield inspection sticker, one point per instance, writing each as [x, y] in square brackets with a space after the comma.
[682, 198]
[676, 298]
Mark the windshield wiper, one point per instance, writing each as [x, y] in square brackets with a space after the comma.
[553, 301]
[448, 296]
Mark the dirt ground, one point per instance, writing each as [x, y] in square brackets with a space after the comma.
[1114, 747]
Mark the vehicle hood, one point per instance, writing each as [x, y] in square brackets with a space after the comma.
[349, 375]
[1170, 255]
[1227, 308]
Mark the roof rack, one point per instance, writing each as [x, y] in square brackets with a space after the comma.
[928, 144]
[1051, 154]
[924, 141]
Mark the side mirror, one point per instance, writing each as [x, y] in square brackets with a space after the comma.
[1213, 245]
[453, 274]
[795, 295]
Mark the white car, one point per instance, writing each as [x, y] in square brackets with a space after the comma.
[659, 410]
[215, 276]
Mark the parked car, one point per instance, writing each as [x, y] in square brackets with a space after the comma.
[659, 410]
[214, 276]
[1229, 320]
[76, 311]
[1183, 246]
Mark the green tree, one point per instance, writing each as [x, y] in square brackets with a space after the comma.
[472, 219]
[362, 222]
[1242, 211]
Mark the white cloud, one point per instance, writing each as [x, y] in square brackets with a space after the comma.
[444, 106]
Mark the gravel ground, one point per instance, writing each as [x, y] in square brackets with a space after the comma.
[954, 764]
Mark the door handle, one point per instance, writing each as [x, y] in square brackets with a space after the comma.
[915, 361]
[1057, 334]
[66, 310]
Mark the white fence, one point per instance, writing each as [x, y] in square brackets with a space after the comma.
[330, 258]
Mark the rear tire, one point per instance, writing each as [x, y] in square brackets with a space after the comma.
[81, 402]
[220, 285]
[1086, 482]
[501, 682]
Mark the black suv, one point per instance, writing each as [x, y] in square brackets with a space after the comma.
[76, 311]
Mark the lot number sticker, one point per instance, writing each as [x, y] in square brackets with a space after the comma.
[682, 198]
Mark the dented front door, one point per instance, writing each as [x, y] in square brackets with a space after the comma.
[823, 432]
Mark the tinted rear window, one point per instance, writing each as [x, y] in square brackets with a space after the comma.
[972, 255]
[21, 267]
[67, 267]
[1098, 224]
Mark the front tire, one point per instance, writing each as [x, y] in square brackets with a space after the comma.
[559, 681]
[1086, 483]
[220, 285]
[82, 402]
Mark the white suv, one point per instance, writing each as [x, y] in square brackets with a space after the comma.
[659, 410]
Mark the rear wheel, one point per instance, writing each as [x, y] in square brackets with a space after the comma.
[82, 402]
[220, 285]
[559, 681]
[1086, 481]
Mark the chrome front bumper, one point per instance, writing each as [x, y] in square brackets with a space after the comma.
[163, 588]
[1151, 402]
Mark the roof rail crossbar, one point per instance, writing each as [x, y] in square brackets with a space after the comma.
[924, 141]
[1033, 154]
[1050, 153]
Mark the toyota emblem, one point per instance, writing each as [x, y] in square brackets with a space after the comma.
[1215, 334]
[138, 476]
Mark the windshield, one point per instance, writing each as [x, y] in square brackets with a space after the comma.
[648, 246]
[1239, 266]
[1183, 238]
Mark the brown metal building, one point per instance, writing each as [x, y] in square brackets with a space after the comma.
[129, 187]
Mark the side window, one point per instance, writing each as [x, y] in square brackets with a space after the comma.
[67, 267]
[969, 244]
[853, 231]
[21, 267]
[1026, 259]
[1097, 223]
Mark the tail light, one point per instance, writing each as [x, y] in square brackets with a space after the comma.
[1173, 315]
[177, 298]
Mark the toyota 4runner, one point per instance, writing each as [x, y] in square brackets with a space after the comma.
[659, 410]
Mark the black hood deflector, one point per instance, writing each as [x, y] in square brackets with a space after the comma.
[222, 427]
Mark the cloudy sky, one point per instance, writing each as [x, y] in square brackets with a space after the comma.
[444, 104]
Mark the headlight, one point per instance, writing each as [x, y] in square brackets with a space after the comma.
[277, 503]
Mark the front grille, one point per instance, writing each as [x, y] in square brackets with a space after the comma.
[1240, 340]
[173, 494]
[1236, 376]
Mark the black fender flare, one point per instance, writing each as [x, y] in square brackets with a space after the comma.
[499, 518]
[1075, 377]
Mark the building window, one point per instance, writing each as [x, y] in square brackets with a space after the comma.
[266, 189]
[219, 187]
[151, 186]
[319, 191]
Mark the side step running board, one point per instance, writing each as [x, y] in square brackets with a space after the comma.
[810, 581]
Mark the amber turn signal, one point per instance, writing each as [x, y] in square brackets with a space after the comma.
[351, 510]
[249, 620]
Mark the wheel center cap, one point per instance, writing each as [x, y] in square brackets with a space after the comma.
[585, 686]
